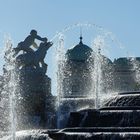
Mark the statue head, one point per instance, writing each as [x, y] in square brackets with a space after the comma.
[33, 32]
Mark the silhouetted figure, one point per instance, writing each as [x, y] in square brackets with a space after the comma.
[29, 41]
[36, 57]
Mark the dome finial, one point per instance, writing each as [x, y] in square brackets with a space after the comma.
[81, 39]
[81, 35]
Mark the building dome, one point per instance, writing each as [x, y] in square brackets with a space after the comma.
[80, 52]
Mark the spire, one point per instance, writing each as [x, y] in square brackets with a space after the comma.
[81, 40]
[81, 36]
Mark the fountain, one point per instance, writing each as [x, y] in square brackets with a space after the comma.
[68, 99]
[85, 107]
[113, 119]
[60, 60]
[22, 109]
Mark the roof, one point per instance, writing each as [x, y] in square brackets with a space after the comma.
[126, 61]
[80, 52]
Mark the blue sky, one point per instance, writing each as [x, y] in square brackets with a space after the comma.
[122, 17]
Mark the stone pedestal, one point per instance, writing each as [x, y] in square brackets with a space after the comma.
[34, 98]
[118, 119]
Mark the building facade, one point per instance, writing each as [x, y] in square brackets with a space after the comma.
[81, 73]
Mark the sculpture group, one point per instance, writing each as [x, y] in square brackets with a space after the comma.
[32, 79]
[31, 57]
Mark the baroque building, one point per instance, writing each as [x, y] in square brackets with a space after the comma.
[80, 72]
[126, 74]
[77, 78]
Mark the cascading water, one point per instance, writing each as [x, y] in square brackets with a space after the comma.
[97, 80]
[9, 90]
[60, 60]
[95, 66]
[136, 69]
[12, 87]
[13, 104]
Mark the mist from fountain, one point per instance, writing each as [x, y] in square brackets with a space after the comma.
[12, 86]
[97, 79]
[9, 91]
[136, 69]
[101, 72]
[60, 66]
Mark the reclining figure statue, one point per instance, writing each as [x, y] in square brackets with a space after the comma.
[34, 58]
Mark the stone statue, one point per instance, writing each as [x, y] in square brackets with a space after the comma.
[35, 85]
[29, 41]
[34, 58]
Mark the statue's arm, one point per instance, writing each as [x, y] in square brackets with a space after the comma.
[41, 39]
[49, 44]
